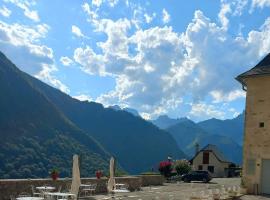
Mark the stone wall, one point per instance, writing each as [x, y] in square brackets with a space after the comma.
[148, 180]
[13, 187]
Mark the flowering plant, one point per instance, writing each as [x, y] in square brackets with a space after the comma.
[54, 174]
[165, 168]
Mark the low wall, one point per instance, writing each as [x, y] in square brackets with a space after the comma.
[148, 180]
[13, 187]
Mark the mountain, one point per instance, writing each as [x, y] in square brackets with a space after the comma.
[187, 134]
[35, 135]
[163, 121]
[129, 110]
[233, 128]
[132, 111]
[41, 110]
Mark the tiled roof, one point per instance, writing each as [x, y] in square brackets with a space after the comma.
[215, 150]
[262, 68]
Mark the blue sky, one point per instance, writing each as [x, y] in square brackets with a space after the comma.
[170, 57]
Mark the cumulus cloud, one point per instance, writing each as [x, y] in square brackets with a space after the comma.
[113, 3]
[4, 11]
[218, 96]
[96, 3]
[25, 6]
[165, 16]
[83, 97]
[260, 3]
[206, 111]
[66, 61]
[156, 68]
[225, 9]
[77, 31]
[149, 18]
[21, 44]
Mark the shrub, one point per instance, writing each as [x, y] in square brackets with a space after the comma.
[182, 167]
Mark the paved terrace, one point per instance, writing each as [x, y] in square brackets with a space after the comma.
[178, 191]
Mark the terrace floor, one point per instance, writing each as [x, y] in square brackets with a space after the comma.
[178, 191]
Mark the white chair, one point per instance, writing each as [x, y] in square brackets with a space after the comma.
[24, 194]
[87, 190]
[35, 193]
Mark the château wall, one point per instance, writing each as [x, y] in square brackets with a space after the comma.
[256, 138]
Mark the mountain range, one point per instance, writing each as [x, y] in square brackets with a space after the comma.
[41, 128]
[226, 134]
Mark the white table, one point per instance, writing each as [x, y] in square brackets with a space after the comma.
[61, 194]
[29, 198]
[45, 188]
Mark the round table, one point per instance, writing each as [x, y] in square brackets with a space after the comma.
[45, 188]
[29, 198]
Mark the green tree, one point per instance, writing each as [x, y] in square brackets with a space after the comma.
[182, 166]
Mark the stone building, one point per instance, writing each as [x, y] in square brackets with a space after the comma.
[256, 150]
[212, 160]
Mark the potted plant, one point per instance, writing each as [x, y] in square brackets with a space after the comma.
[54, 174]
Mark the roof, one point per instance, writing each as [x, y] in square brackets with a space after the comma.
[213, 148]
[262, 68]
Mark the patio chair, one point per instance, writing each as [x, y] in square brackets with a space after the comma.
[34, 192]
[87, 190]
[24, 194]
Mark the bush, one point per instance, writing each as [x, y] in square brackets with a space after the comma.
[182, 167]
[165, 168]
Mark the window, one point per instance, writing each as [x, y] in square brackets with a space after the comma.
[211, 169]
[200, 167]
[205, 157]
[250, 166]
[261, 125]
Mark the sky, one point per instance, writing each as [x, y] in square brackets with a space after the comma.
[173, 57]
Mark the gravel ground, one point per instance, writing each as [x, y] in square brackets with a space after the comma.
[179, 191]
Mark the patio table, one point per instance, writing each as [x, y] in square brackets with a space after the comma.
[45, 188]
[29, 198]
[61, 194]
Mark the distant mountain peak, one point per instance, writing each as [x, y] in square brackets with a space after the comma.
[127, 109]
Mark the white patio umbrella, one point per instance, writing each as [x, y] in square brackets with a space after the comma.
[76, 179]
[111, 182]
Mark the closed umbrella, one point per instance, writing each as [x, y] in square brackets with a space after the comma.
[111, 182]
[76, 179]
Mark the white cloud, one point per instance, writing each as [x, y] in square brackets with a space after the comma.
[77, 31]
[113, 3]
[156, 68]
[83, 97]
[260, 3]
[66, 61]
[92, 14]
[5, 11]
[22, 45]
[96, 3]
[165, 16]
[46, 75]
[91, 62]
[25, 6]
[225, 9]
[218, 96]
[206, 111]
[149, 18]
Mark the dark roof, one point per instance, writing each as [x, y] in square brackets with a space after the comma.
[262, 68]
[213, 148]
